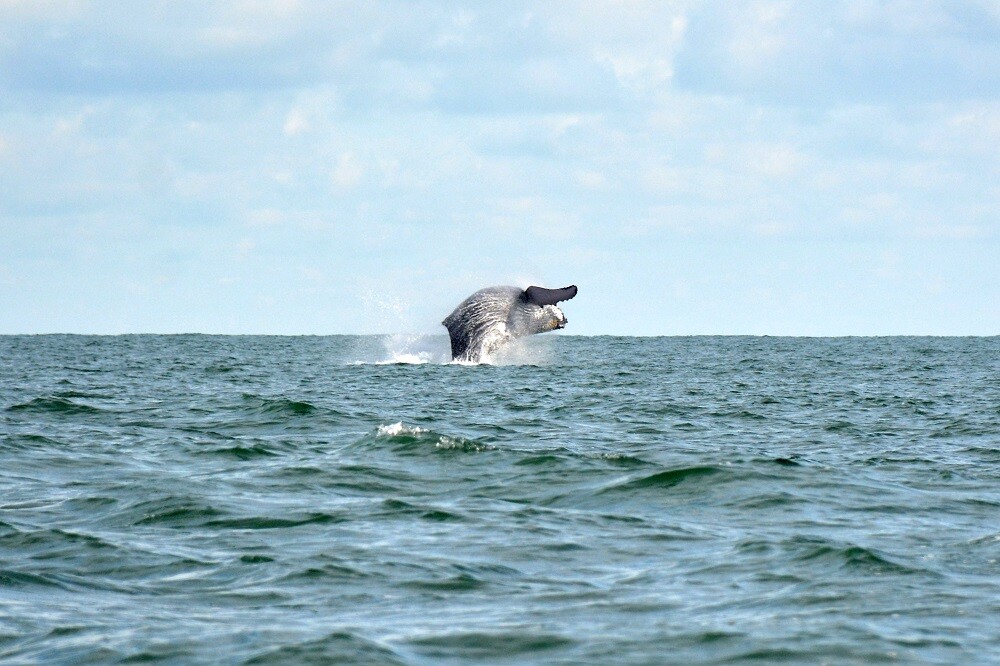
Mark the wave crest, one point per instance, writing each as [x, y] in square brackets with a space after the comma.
[408, 437]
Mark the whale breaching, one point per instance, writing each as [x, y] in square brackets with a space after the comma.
[494, 316]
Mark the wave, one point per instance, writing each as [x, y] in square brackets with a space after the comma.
[338, 647]
[991, 539]
[287, 412]
[11, 578]
[413, 438]
[272, 522]
[398, 508]
[241, 452]
[665, 479]
[52, 541]
[176, 513]
[847, 555]
[478, 645]
[397, 429]
[186, 512]
[278, 406]
[54, 405]
[31, 441]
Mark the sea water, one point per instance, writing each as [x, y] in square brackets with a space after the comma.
[192, 499]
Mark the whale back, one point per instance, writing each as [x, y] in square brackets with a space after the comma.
[479, 324]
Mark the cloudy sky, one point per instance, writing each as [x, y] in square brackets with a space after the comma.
[799, 167]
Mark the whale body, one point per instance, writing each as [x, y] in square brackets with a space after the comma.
[492, 317]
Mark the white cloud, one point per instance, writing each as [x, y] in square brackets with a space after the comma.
[955, 232]
[41, 9]
[592, 180]
[829, 52]
[295, 123]
[245, 246]
[456, 33]
[347, 172]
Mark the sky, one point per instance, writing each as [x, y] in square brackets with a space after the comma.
[295, 167]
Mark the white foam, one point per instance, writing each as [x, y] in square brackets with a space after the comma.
[530, 350]
[485, 360]
[440, 442]
[408, 359]
[413, 349]
[394, 429]
[404, 349]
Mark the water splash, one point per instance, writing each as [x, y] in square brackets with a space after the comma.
[531, 350]
[385, 310]
[402, 349]
[413, 349]
[421, 349]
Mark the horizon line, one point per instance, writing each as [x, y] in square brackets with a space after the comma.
[566, 335]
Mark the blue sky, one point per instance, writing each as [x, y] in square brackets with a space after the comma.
[800, 168]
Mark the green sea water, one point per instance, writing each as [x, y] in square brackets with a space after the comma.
[203, 499]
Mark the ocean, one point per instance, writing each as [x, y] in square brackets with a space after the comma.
[356, 499]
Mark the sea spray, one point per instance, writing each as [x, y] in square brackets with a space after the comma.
[413, 349]
[419, 349]
[391, 314]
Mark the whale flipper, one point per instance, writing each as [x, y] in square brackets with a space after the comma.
[543, 296]
[461, 340]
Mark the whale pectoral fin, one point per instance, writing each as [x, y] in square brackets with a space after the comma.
[459, 345]
[459, 338]
[543, 296]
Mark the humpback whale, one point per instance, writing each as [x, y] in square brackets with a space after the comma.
[492, 317]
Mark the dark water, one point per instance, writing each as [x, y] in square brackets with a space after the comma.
[612, 500]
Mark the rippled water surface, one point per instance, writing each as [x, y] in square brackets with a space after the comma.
[597, 500]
